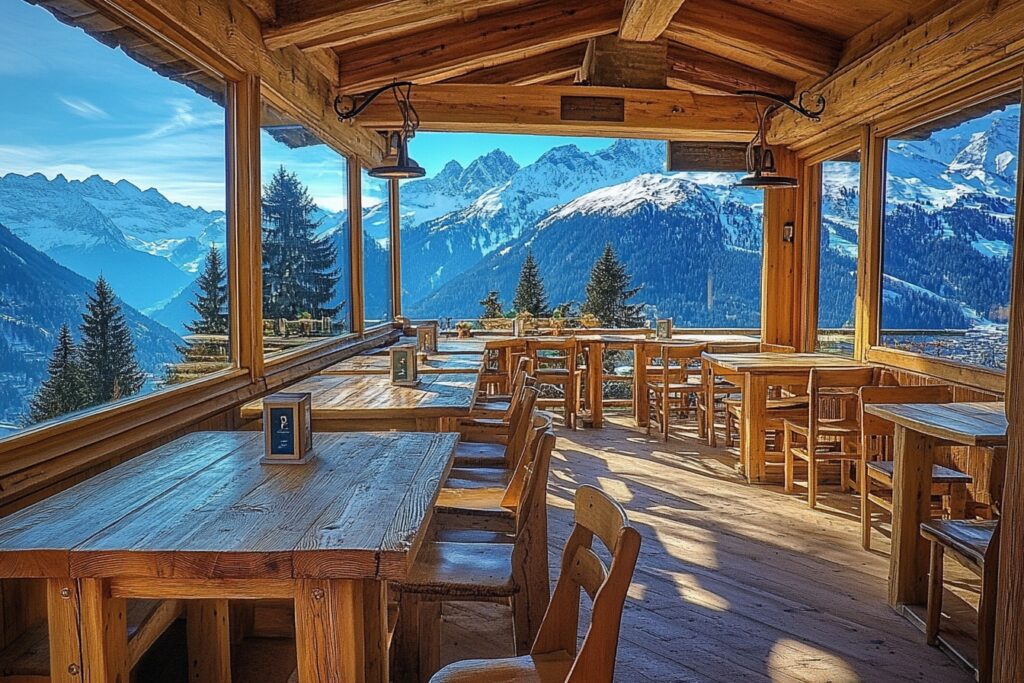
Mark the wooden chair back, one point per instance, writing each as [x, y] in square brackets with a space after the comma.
[733, 347]
[520, 421]
[552, 352]
[541, 424]
[839, 383]
[776, 348]
[873, 426]
[597, 515]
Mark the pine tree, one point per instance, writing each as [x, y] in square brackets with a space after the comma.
[530, 296]
[64, 390]
[492, 307]
[299, 274]
[212, 298]
[107, 350]
[608, 291]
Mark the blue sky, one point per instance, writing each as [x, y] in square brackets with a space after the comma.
[77, 107]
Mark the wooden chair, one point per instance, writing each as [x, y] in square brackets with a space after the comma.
[499, 406]
[554, 655]
[671, 389]
[975, 545]
[821, 437]
[780, 407]
[554, 363]
[875, 468]
[713, 388]
[472, 572]
[485, 441]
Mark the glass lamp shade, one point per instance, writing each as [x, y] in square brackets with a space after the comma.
[398, 164]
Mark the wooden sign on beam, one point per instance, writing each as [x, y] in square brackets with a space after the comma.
[728, 157]
[577, 108]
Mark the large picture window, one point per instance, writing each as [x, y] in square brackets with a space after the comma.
[837, 253]
[950, 195]
[306, 236]
[377, 296]
[113, 237]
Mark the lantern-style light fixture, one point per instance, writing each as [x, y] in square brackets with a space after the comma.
[760, 158]
[396, 163]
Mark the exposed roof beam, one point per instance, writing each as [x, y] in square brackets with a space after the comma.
[962, 45]
[330, 23]
[646, 20]
[754, 38]
[537, 70]
[662, 114]
[688, 66]
[442, 53]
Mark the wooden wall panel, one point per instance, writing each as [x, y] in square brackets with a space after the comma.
[781, 322]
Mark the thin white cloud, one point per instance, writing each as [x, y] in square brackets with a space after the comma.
[83, 108]
[184, 118]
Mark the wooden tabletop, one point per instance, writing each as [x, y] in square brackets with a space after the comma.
[373, 396]
[380, 365]
[778, 362]
[444, 346]
[970, 424]
[204, 507]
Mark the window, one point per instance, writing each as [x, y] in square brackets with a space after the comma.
[948, 235]
[682, 245]
[837, 254]
[112, 219]
[377, 296]
[307, 282]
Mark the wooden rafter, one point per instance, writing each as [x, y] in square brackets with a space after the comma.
[439, 54]
[666, 114]
[754, 38]
[646, 20]
[690, 68]
[329, 23]
[537, 70]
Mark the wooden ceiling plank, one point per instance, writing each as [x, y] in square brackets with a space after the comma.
[659, 114]
[713, 73]
[759, 40]
[544, 68]
[329, 23]
[891, 26]
[646, 20]
[439, 54]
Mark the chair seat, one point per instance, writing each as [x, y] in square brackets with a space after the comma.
[774, 404]
[490, 410]
[658, 385]
[550, 668]
[882, 470]
[462, 570]
[833, 428]
[478, 501]
[970, 538]
[476, 478]
[551, 372]
[473, 536]
[470, 454]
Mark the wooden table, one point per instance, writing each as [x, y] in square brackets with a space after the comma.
[920, 429]
[201, 519]
[756, 372]
[443, 363]
[445, 345]
[349, 403]
[595, 345]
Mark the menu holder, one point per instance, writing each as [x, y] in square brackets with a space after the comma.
[426, 337]
[663, 330]
[404, 365]
[288, 428]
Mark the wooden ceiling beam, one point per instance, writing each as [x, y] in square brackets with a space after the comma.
[646, 20]
[330, 23]
[443, 53]
[759, 40]
[542, 110]
[691, 67]
[963, 44]
[537, 70]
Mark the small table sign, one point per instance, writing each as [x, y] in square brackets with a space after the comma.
[288, 428]
[404, 365]
[426, 337]
[663, 329]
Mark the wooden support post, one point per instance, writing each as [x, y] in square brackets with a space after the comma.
[911, 499]
[355, 222]
[65, 644]
[868, 301]
[104, 629]
[780, 273]
[209, 641]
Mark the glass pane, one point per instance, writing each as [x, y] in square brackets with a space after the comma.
[604, 228]
[837, 257]
[307, 283]
[950, 198]
[112, 218]
[376, 251]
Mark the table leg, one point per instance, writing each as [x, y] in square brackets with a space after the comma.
[341, 631]
[641, 408]
[755, 406]
[911, 505]
[209, 641]
[104, 627]
[62, 607]
[595, 383]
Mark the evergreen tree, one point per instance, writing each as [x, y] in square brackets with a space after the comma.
[492, 307]
[212, 298]
[64, 390]
[608, 291]
[107, 350]
[530, 296]
[299, 274]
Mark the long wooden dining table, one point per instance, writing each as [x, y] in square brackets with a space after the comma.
[756, 372]
[347, 403]
[441, 363]
[201, 519]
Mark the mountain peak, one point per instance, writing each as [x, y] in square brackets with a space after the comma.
[490, 170]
